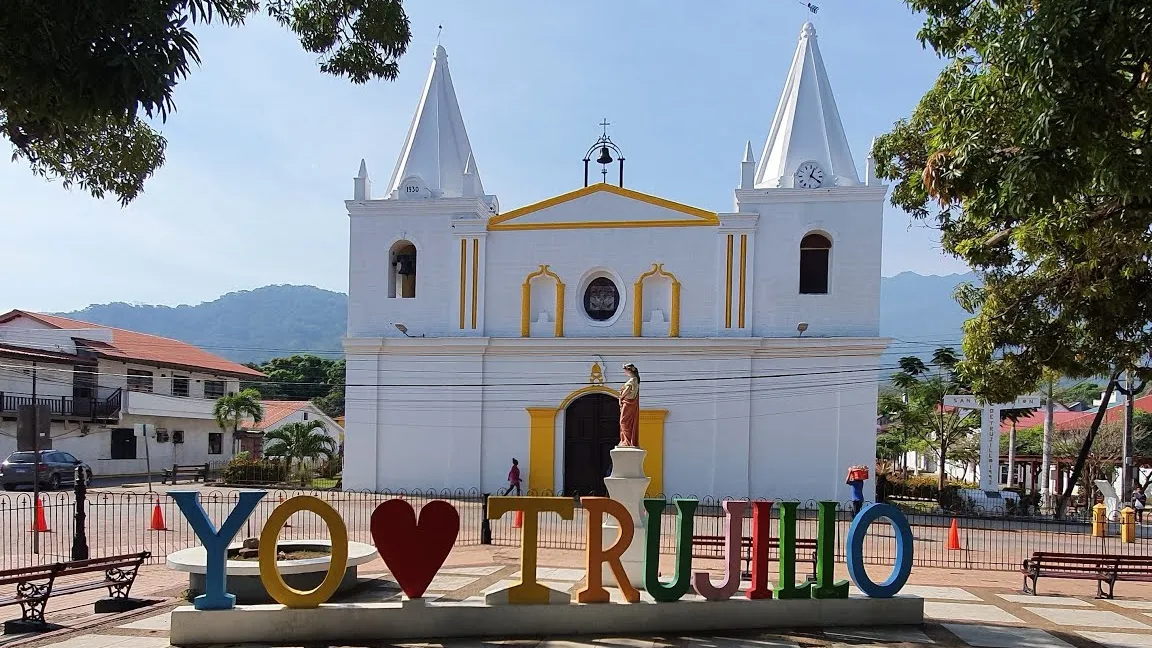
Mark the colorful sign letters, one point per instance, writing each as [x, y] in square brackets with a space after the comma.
[415, 550]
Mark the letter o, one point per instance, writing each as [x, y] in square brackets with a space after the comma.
[338, 560]
[903, 567]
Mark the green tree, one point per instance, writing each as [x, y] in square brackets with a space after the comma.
[230, 410]
[300, 442]
[303, 377]
[79, 78]
[922, 413]
[1030, 154]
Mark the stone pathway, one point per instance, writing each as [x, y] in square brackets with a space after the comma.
[958, 617]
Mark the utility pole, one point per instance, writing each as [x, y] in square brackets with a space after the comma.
[1046, 457]
[1126, 448]
[35, 463]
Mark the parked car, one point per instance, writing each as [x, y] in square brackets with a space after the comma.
[56, 468]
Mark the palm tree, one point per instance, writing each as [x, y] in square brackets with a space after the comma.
[232, 409]
[301, 441]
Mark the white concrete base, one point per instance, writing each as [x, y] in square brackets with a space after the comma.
[627, 485]
[349, 623]
[500, 597]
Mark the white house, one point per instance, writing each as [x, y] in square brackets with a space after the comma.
[98, 382]
[476, 335]
[277, 414]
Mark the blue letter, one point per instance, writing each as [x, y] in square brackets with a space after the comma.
[215, 596]
[903, 567]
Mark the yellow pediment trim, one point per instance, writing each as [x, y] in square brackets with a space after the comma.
[701, 217]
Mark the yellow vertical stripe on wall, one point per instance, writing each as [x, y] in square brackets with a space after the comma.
[728, 286]
[638, 309]
[475, 277]
[559, 309]
[652, 440]
[525, 305]
[743, 275]
[674, 327]
[542, 449]
[463, 277]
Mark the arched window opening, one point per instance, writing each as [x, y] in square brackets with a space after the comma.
[815, 254]
[402, 270]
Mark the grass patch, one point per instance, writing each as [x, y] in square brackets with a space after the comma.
[324, 482]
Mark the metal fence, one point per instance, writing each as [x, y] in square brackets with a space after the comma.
[122, 523]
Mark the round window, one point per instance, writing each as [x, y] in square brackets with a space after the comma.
[601, 299]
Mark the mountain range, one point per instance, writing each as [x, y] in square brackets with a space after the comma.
[917, 311]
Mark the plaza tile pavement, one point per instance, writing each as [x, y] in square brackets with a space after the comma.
[964, 609]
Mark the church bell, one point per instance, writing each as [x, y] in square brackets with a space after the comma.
[605, 156]
[406, 263]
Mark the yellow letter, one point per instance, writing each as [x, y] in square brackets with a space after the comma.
[528, 590]
[595, 554]
[338, 561]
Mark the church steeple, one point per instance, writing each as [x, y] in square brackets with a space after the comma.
[807, 128]
[437, 149]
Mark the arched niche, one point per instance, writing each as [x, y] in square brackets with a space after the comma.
[535, 308]
[402, 270]
[656, 296]
[815, 263]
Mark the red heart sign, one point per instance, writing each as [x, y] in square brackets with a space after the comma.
[413, 551]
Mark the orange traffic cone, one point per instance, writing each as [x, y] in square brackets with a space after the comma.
[40, 525]
[288, 521]
[954, 536]
[157, 518]
[518, 520]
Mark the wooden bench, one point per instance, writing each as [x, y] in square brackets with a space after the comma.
[195, 473]
[35, 585]
[803, 547]
[1102, 568]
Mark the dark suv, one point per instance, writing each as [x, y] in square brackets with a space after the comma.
[56, 468]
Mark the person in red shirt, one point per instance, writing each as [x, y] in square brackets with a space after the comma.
[513, 478]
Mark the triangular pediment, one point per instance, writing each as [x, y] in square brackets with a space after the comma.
[602, 206]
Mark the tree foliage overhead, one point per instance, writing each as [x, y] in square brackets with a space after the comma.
[1033, 155]
[78, 78]
[303, 377]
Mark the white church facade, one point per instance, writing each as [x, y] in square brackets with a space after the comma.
[477, 335]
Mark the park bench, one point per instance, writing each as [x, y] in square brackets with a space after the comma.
[804, 547]
[194, 472]
[1102, 568]
[35, 585]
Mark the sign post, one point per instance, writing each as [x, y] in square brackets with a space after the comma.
[144, 430]
[990, 432]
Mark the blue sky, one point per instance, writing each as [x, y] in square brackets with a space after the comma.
[263, 147]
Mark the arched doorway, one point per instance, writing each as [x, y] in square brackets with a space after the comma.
[591, 430]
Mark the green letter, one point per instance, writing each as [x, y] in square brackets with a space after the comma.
[667, 593]
[826, 555]
[786, 587]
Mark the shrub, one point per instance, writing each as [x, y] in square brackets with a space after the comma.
[255, 471]
[331, 468]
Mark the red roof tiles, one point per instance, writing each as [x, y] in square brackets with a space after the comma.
[141, 347]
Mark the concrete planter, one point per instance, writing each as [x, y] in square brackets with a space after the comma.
[244, 575]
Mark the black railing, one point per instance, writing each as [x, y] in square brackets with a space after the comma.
[118, 522]
[93, 408]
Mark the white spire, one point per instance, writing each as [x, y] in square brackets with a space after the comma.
[747, 168]
[362, 185]
[471, 186]
[807, 125]
[870, 178]
[437, 147]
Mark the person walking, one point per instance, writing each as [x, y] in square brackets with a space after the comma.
[513, 478]
[856, 477]
[1139, 501]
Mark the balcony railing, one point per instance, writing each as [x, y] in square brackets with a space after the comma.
[93, 408]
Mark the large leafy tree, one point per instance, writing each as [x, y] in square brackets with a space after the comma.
[303, 377]
[79, 78]
[919, 408]
[1033, 155]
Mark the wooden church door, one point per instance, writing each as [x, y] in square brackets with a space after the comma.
[591, 430]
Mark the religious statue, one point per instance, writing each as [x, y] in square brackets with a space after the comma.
[630, 408]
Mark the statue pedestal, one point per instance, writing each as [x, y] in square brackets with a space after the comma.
[626, 485]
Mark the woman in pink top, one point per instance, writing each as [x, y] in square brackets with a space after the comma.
[513, 478]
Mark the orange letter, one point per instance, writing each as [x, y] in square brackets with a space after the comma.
[595, 553]
[528, 590]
